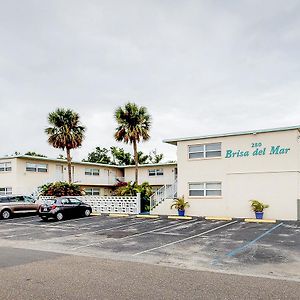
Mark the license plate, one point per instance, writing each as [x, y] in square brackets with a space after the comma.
[45, 209]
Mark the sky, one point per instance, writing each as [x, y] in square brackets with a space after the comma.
[200, 67]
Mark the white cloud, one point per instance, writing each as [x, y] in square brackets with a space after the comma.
[199, 66]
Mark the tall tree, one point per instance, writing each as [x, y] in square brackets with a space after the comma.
[155, 157]
[142, 158]
[133, 126]
[32, 153]
[99, 155]
[65, 132]
[120, 157]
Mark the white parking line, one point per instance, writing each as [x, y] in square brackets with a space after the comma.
[81, 221]
[103, 229]
[185, 239]
[113, 227]
[38, 225]
[28, 222]
[18, 218]
[168, 233]
[158, 229]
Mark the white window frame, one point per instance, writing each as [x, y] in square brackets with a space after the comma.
[205, 189]
[6, 191]
[155, 172]
[43, 167]
[205, 151]
[93, 191]
[92, 172]
[40, 168]
[5, 167]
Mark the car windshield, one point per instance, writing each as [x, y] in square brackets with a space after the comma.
[50, 201]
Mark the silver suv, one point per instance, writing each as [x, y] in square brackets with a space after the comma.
[12, 204]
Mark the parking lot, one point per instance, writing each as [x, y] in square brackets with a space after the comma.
[270, 250]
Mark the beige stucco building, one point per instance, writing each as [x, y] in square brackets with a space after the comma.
[219, 174]
[155, 174]
[23, 174]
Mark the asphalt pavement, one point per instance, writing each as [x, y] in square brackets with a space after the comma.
[30, 274]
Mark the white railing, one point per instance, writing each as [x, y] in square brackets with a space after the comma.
[95, 180]
[109, 204]
[167, 191]
[88, 180]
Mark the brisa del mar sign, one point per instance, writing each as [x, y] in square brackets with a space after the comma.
[257, 150]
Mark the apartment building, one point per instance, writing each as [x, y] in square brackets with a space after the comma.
[156, 175]
[23, 174]
[219, 174]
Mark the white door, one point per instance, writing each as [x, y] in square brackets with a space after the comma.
[112, 177]
[59, 172]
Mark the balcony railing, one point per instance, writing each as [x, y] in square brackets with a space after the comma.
[89, 180]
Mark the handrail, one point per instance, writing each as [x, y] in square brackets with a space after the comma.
[166, 191]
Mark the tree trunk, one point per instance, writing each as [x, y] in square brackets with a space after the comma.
[69, 165]
[136, 161]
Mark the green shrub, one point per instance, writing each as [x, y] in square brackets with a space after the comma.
[60, 188]
[258, 206]
[180, 204]
[131, 189]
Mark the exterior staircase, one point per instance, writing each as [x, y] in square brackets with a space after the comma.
[167, 191]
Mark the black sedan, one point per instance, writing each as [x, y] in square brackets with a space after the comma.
[64, 207]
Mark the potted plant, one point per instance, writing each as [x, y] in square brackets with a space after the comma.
[258, 207]
[180, 205]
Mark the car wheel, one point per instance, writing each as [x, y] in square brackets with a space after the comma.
[87, 213]
[6, 214]
[44, 218]
[59, 216]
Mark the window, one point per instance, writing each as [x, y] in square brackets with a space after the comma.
[4, 199]
[74, 201]
[205, 189]
[5, 167]
[205, 150]
[29, 199]
[92, 191]
[151, 172]
[19, 199]
[42, 168]
[95, 172]
[30, 167]
[65, 201]
[156, 172]
[159, 172]
[6, 191]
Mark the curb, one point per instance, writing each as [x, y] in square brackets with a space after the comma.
[218, 218]
[180, 218]
[259, 221]
[95, 214]
[147, 216]
[118, 215]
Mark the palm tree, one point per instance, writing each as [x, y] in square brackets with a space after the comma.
[66, 132]
[133, 126]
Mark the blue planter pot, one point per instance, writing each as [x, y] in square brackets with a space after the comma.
[259, 214]
[181, 213]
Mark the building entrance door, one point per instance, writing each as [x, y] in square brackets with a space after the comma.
[59, 172]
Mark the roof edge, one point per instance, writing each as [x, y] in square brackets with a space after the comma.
[255, 131]
[81, 162]
[57, 160]
[152, 165]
